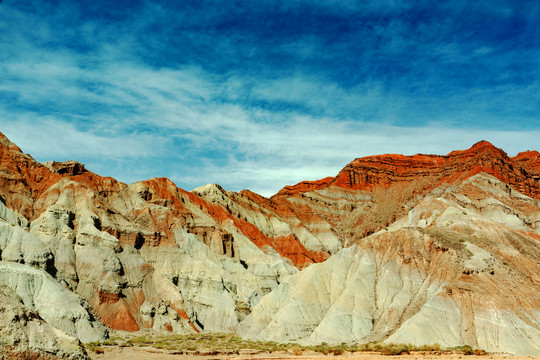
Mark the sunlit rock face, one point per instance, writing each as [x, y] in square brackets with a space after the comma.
[419, 249]
[462, 267]
[25, 335]
[144, 255]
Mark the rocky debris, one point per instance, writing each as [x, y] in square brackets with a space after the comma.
[25, 335]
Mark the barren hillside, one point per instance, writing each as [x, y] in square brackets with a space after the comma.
[416, 249]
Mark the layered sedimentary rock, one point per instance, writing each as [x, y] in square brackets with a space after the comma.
[395, 248]
[144, 255]
[439, 275]
[369, 172]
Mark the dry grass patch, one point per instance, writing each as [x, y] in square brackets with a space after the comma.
[229, 344]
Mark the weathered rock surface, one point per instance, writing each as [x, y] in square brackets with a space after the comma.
[369, 172]
[396, 248]
[143, 255]
[54, 304]
[25, 335]
[439, 275]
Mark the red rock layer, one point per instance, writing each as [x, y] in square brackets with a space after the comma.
[306, 186]
[22, 178]
[28, 187]
[118, 316]
[289, 247]
[9, 353]
[26, 180]
[521, 172]
[120, 313]
[530, 159]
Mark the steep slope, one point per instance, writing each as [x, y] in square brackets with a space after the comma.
[529, 159]
[133, 251]
[56, 305]
[372, 192]
[24, 335]
[394, 248]
[460, 268]
[367, 173]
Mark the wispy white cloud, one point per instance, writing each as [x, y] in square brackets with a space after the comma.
[312, 149]
[192, 121]
[51, 139]
[95, 92]
[166, 114]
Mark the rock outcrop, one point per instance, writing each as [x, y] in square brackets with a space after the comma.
[395, 248]
[25, 335]
[144, 255]
[434, 276]
[369, 172]
[56, 305]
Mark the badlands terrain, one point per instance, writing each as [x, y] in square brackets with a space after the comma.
[422, 249]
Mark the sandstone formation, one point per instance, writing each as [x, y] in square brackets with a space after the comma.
[418, 249]
[144, 255]
[434, 276]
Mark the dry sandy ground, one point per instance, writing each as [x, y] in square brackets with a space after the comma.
[138, 353]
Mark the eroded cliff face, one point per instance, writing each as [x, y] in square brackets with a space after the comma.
[25, 335]
[144, 255]
[368, 173]
[460, 268]
[384, 251]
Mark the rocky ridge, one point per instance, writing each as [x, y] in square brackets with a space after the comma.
[385, 251]
[434, 276]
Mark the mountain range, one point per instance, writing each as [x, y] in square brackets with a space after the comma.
[418, 249]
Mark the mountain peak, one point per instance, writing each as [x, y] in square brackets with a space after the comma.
[5, 142]
[482, 146]
[370, 172]
[124, 251]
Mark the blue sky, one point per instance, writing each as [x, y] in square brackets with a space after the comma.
[262, 94]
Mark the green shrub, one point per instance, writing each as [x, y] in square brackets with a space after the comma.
[109, 342]
[465, 349]
[216, 343]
